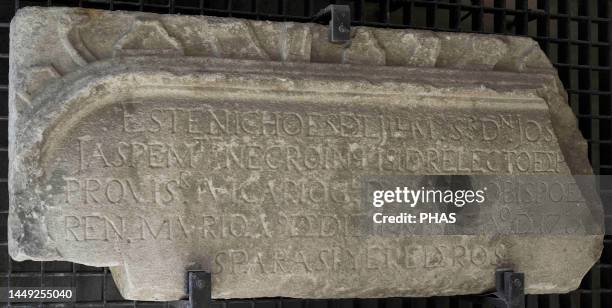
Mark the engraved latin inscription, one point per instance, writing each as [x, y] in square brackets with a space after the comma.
[227, 181]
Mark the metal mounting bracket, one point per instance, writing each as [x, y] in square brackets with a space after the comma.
[199, 289]
[510, 290]
[339, 17]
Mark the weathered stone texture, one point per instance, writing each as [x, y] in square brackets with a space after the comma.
[158, 143]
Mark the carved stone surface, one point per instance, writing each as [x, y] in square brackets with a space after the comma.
[154, 144]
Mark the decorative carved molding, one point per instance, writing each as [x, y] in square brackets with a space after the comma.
[170, 35]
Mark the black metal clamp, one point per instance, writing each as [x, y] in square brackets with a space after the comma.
[510, 290]
[339, 17]
[199, 289]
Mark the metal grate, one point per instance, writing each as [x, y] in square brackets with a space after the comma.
[576, 35]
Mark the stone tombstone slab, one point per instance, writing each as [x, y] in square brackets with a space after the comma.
[155, 144]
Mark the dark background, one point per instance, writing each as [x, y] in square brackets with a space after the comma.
[574, 34]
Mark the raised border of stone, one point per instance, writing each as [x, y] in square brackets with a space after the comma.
[64, 33]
